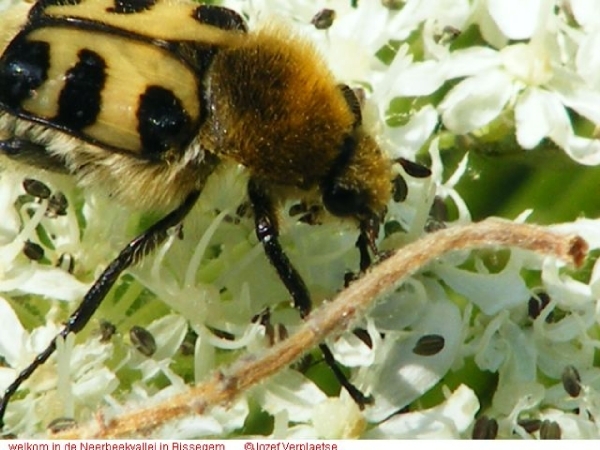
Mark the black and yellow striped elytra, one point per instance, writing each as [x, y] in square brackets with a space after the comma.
[130, 95]
[95, 90]
[144, 98]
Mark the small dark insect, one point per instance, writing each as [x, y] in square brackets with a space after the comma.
[36, 188]
[429, 345]
[571, 381]
[323, 19]
[33, 251]
[57, 205]
[142, 340]
[414, 169]
[550, 430]
[530, 425]
[61, 424]
[107, 330]
[485, 428]
[400, 189]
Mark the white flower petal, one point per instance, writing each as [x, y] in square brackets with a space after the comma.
[404, 375]
[584, 101]
[572, 426]
[12, 335]
[41, 337]
[487, 26]
[517, 19]
[351, 26]
[204, 356]
[7, 376]
[338, 418]
[444, 421]
[351, 351]
[585, 12]
[401, 308]
[490, 292]
[522, 354]
[554, 355]
[92, 388]
[192, 428]
[540, 113]
[569, 294]
[419, 79]
[410, 16]
[232, 417]
[476, 101]
[529, 64]
[168, 332]
[533, 124]
[53, 282]
[588, 59]
[514, 397]
[409, 138]
[583, 150]
[292, 392]
[11, 222]
[491, 347]
[471, 61]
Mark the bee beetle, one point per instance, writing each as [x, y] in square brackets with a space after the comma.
[103, 90]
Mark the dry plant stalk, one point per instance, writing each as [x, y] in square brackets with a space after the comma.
[335, 316]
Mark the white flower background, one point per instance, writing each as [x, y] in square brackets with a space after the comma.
[501, 98]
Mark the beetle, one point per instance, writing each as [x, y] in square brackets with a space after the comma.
[146, 98]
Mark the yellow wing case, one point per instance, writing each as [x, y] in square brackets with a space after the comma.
[169, 20]
[116, 75]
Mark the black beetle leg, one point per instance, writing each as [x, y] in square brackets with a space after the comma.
[267, 232]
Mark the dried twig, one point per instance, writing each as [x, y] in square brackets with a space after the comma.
[226, 385]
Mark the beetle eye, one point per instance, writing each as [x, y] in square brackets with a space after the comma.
[344, 202]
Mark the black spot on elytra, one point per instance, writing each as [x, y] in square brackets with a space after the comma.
[162, 121]
[23, 68]
[79, 102]
[219, 17]
[200, 58]
[131, 6]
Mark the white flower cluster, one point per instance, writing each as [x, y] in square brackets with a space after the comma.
[480, 344]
